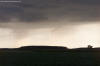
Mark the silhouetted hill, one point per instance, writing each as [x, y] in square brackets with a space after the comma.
[51, 48]
[43, 48]
[50, 56]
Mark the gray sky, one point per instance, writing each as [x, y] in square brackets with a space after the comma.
[71, 23]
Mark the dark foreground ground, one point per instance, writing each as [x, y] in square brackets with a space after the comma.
[47, 57]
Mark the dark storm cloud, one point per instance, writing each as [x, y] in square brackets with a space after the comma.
[38, 10]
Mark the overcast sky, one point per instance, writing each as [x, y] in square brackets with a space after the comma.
[70, 23]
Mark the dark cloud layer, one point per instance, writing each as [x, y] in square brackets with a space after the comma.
[53, 20]
[38, 10]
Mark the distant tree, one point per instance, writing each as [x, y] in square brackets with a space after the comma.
[89, 46]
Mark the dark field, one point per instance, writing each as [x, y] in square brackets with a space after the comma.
[50, 58]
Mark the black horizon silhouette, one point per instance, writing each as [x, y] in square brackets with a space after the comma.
[49, 56]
